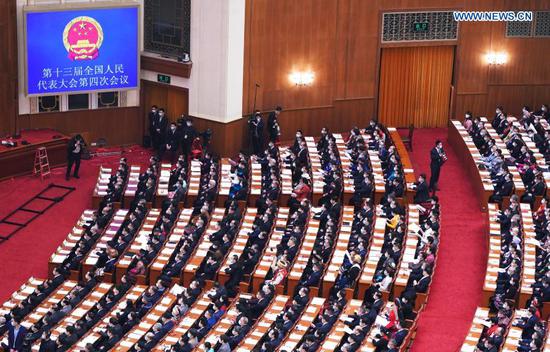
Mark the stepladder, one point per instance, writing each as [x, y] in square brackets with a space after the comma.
[41, 162]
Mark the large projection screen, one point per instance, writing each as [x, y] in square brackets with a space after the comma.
[81, 49]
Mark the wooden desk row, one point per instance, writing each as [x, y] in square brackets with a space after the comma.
[345, 161]
[44, 307]
[373, 256]
[202, 247]
[27, 289]
[163, 184]
[151, 318]
[302, 325]
[317, 179]
[519, 187]
[336, 335]
[239, 242]
[132, 184]
[379, 182]
[138, 242]
[378, 175]
[513, 336]
[225, 182]
[165, 253]
[255, 183]
[529, 261]
[409, 255]
[226, 322]
[286, 176]
[65, 248]
[302, 257]
[340, 248]
[95, 332]
[406, 163]
[100, 189]
[270, 250]
[194, 184]
[108, 234]
[470, 158]
[195, 312]
[480, 321]
[493, 259]
[78, 312]
[381, 320]
[263, 324]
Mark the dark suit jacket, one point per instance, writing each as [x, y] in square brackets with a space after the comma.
[16, 342]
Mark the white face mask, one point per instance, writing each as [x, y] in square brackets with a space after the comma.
[161, 114]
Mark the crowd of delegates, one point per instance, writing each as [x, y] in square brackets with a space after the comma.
[511, 254]
[520, 155]
[271, 189]
[493, 160]
[167, 137]
[239, 175]
[358, 145]
[541, 287]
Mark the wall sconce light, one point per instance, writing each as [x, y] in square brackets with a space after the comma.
[496, 58]
[302, 78]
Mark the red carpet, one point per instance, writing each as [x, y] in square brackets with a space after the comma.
[457, 283]
[27, 252]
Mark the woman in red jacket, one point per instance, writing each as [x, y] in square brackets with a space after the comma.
[302, 190]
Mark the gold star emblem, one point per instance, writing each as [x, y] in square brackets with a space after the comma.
[82, 25]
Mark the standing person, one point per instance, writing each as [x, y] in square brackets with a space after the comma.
[74, 153]
[159, 129]
[438, 158]
[16, 336]
[188, 134]
[172, 142]
[152, 117]
[273, 127]
[256, 126]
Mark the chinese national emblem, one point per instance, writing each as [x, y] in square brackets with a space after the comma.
[82, 38]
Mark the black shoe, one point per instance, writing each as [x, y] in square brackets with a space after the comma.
[76, 176]
[67, 178]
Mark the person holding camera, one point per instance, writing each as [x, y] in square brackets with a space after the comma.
[74, 153]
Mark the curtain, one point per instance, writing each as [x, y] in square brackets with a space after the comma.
[415, 86]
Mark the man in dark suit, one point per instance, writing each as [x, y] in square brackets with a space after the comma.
[422, 192]
[16, 336]
[159, 129]
[273, 124]
[74, 152]
[188, 134]
[256, 126]
[172, 140]
[438, 158]
[152, 117]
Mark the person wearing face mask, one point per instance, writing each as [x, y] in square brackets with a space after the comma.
[256, 128]
[543, 112]
[159, 129]
[437, 159]
[171, 144]
[273, 127]
[188, 134]
[152, 117]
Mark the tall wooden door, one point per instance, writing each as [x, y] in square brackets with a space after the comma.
[175, 100]
[415, 86]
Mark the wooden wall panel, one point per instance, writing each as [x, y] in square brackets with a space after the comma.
[8, 66]
[118, 126]
[274, 40]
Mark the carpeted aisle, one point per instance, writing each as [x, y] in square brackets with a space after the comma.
[457, 284]
[26, 254]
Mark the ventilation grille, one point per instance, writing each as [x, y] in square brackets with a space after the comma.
[418, 26]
